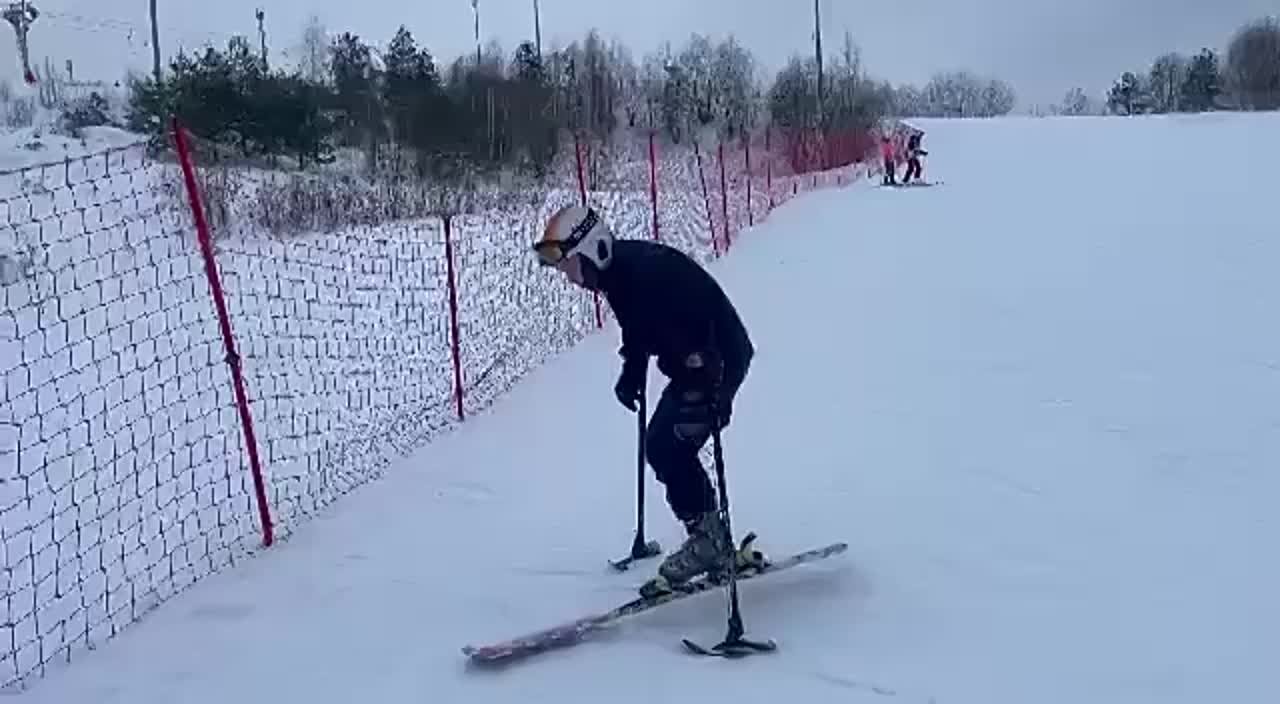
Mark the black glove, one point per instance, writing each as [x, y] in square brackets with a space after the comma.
[630, 385]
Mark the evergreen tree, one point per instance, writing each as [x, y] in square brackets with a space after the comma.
[533, 129]
[527, 66]
[1128, 96]
[1202, 84]
[409, 81]
[356, 95]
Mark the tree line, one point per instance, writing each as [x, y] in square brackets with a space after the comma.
[1247, 77]
[405, 110]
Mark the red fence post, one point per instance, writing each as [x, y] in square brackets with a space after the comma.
[653, 184]
[455, 339]
[205, 239]
[724, 200]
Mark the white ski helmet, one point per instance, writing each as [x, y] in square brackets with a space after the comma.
[574, 230]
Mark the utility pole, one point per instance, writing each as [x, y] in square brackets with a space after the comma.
[817, 46]
[21, 15]
[262, 36]
[537, 29]
[155, 43]
[475, 9]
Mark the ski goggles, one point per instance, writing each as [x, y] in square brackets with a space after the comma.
[553, 252]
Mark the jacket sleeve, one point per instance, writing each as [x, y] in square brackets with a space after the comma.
[697, 313]
[635, 350]
[635, 355]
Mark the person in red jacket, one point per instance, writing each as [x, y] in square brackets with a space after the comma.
[887, 153]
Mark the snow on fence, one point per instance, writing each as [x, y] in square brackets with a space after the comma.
[125, 473]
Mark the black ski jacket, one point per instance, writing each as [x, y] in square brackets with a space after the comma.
[669, 307]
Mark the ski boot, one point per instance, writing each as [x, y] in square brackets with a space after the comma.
[705, 552]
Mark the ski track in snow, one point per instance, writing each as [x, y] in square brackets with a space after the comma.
[1039, 401]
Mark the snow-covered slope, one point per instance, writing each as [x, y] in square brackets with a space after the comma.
[1039, 401]
[33, 146]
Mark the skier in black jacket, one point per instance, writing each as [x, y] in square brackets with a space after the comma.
[671, 308]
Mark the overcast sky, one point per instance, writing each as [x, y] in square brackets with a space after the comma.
[1042, 47]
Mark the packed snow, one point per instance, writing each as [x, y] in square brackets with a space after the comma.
[1038, 400]
[34, 146]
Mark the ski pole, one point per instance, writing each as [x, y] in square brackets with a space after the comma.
[640, 548]
[734, 644]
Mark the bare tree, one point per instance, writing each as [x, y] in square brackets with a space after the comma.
[695, 64]
[314, 51]
[1253, 65]
[732, 82]
[631, 93]
[953, 94]
[1168, 74]
[998, 98]
[652, 77]
[851, 99]
[1075, 103]
[909, 101]
[964, 94]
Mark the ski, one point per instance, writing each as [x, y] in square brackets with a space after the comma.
[913, 184]
[577, 630]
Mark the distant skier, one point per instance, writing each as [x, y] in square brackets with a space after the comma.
[887, 154]
[668, 307]
[914, 152]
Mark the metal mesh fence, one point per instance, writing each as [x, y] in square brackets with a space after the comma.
[123, 470]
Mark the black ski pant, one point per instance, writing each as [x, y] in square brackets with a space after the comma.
[679, 427]
[913, 169]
